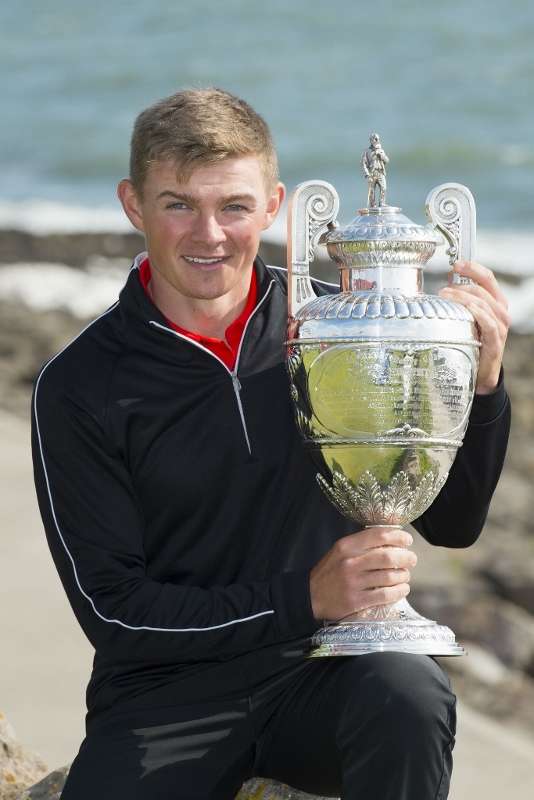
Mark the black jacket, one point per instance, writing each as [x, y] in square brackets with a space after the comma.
[181, 509]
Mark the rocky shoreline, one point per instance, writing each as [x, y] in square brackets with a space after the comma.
[486, 594]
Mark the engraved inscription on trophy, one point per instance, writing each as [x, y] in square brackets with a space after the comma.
[386, 392]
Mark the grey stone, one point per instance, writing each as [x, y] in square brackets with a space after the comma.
[488, 686]
[51, 786]
[500, 627]
[19, 767]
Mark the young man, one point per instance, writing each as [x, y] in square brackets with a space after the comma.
[183, 515]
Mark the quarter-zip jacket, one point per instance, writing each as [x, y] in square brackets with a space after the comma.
[181, 509]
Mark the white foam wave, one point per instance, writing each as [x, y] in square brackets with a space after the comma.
[508, 252]
[41, 217]
[45, 286]
[86, 293]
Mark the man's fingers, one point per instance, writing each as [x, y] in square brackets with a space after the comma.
[461, 293]
[483, 276]
[492, 326]
[373, 537]
[377, 578]
[361, 570]
[383, 596]
[379, 558]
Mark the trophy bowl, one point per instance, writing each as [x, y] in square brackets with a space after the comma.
[382, 379]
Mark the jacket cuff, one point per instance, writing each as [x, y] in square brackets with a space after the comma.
[290, 594]
[488, 407]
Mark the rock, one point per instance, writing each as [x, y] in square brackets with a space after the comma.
[27, 340]
[50, 788]
[484, 683]
[262, 789]
[494, 624]
[67, 248]
[19, 767]
[512, 577]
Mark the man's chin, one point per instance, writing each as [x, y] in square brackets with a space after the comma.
[208, 289]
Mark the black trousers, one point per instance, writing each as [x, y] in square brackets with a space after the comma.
[372, 727]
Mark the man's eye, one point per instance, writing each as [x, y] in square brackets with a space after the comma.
[177, 206]
[236, 207]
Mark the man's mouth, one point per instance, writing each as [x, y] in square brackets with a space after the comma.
[205, 261]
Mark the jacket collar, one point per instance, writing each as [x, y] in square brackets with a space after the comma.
[136, 306]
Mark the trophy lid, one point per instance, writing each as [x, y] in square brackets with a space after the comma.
[379, 224]
[380, 234]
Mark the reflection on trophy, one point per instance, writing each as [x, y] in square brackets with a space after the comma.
[382, 375]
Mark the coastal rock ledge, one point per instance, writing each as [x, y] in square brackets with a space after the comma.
[256, 789]
[20, 768]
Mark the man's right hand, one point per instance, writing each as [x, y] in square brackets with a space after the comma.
[364, 569]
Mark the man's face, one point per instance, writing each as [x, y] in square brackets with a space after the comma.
[203, 233]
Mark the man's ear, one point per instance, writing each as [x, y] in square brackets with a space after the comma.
[274, 202]
[130, 203]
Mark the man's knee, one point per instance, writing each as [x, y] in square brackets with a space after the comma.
[407, 697]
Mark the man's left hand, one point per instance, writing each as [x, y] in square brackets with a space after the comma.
[488, 305]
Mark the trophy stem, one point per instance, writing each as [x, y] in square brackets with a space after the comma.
[393, 627]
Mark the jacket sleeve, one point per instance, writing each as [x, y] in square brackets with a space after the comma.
[95, 529]
[457, 515]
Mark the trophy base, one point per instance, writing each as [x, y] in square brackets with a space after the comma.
[396, 628]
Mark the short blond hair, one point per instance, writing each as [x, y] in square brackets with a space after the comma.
[195, 127]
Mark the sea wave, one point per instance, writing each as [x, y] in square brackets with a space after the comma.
[42, 217]
[49, 287]
[87, 292]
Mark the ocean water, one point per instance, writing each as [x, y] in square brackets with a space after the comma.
[449, 87]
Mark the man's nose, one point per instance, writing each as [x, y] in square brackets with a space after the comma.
[207, 229]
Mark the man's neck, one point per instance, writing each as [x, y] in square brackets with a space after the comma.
[206, 317]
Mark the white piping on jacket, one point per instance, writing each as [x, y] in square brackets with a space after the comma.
[52, 508]
[233, 373]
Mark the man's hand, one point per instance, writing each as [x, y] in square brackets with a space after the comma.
[364, 569]
[489, 306]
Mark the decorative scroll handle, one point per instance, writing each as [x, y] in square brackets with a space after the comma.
[313, 209]
[451, 208]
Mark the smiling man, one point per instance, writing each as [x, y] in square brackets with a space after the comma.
[202, 232]
[183, 515]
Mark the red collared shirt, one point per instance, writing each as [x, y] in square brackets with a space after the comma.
[226, 349]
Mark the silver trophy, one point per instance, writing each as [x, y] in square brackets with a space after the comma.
[382, 375]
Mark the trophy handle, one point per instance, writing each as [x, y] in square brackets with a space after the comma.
[313, 207]
[451, 208]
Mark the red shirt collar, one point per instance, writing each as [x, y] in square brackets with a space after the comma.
[226, 349]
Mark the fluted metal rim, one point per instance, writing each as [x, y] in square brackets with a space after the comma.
[366, 341]
[382, 441]
[383, 305]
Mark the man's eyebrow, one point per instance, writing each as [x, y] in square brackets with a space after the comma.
[191, 200]
[186, 198]
[248, 198]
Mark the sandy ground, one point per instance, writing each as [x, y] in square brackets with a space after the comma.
[46, 659]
